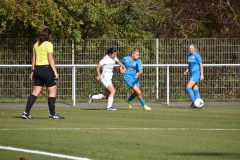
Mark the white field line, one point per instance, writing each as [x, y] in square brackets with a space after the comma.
[141, 129]
[42, 153]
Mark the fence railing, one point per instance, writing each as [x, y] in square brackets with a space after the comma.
[164, 63]
[154, 81]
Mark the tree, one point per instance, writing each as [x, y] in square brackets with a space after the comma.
[137, 19]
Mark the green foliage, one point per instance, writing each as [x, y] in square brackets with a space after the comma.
[139, 19]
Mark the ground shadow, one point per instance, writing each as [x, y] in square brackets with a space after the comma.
[102, 109]
[213, 154]
[20, 117]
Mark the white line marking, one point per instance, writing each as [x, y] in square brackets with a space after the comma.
[145, 129]
[42, 153]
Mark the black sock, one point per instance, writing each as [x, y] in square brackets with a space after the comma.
[51, 105]
[30, 102]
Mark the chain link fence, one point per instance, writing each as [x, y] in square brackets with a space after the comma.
[222, 83]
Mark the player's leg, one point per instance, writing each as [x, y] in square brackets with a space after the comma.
[103, 95]
[38, 84]
[112, 91]
[130, 81]
[196, 91]
[140, 97]
[50, 82]
[130, 98]
[190, 92]
[31, 100]
[98, 96]
[52, 92]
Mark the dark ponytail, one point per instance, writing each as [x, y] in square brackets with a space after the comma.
[44, 35]
[111, 51]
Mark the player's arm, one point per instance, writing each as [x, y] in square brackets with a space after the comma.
[33, 64]
[186, 72]
[99, 71]
[139, 69]
[199, 59]
[120, 64]
[52, 64]
[33, 60]
[122, 67]
[139, 73]
[201, 70]
[51, 61]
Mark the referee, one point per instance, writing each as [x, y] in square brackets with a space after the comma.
[43, 73]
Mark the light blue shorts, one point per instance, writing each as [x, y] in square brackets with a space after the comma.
[131, 80]
[195, 76]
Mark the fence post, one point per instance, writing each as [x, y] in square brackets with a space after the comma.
[73, 76]
[168, 79]
[73, 52]
[74, 85]
[157, 68]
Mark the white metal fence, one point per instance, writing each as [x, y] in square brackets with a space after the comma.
[164, 63]
[160, 84]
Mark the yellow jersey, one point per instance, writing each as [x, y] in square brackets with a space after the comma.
[41, 52]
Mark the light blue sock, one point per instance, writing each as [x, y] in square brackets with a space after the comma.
[197, 94]
[191, 94]
[130, 98]
[142, 101]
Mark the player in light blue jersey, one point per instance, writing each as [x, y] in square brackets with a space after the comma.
[195, 68]
[132, 72]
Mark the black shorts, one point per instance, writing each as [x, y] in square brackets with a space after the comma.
[44, 75]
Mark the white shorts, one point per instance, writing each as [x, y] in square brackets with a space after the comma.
[106, 79]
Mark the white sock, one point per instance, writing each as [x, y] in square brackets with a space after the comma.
[98, 96]
[110, 102]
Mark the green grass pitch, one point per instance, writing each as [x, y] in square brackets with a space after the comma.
[165, 133]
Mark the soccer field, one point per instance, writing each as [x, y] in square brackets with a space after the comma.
[169, 133]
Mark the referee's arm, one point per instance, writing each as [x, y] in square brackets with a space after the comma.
[33, 60]
[52, 64]
[33, 64]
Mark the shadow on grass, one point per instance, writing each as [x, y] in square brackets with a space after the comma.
[103, 109]
[211, 154]
[93, 109]
[20, 117]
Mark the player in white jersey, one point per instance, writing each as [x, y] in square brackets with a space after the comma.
[107, 65]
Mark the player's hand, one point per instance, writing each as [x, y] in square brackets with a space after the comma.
[98, 77]
[31, 76]
[137, 75]
[56, 75]
[185, 73]
[201, 77]
[122, 69]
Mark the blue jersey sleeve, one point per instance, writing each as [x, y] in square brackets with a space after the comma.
[139, 65]
[199, 58]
